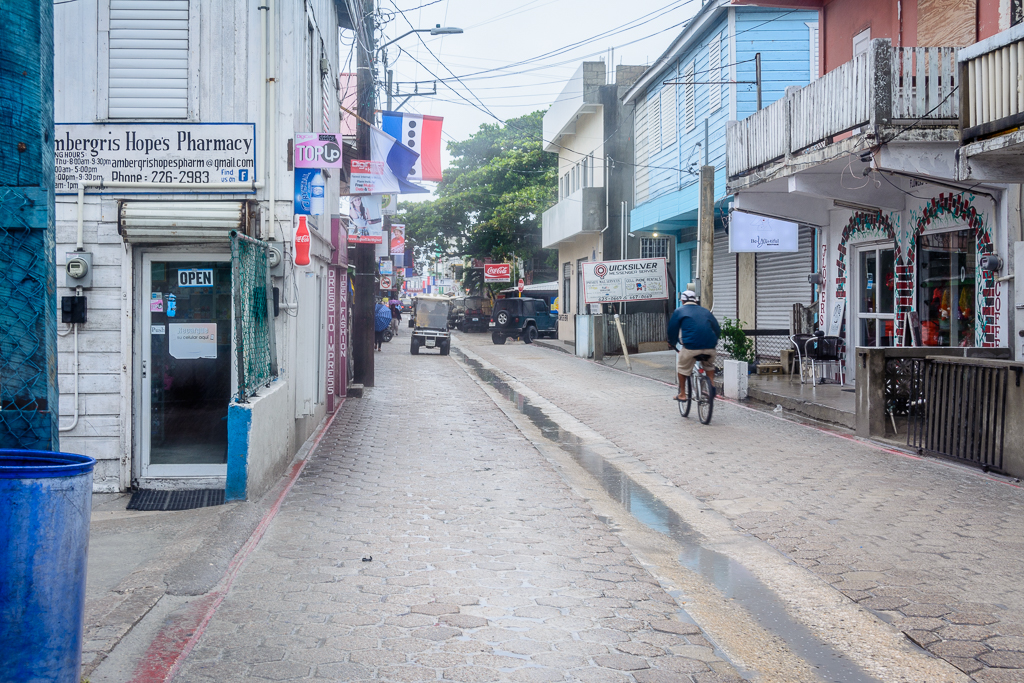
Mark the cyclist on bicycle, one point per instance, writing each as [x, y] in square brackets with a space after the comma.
[697, 330]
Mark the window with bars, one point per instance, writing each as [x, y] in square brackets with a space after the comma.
[565, 301]
[148, 59]
[653, 247]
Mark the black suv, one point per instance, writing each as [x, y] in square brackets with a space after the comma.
[524, 319]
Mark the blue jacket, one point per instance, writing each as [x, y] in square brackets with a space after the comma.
[695, 325]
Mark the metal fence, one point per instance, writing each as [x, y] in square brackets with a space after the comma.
[255, 346]
[637, 328]
[959, 410]
[28, 322]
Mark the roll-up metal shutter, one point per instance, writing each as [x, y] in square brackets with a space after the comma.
[183, 221]
[725, 278]
[782, 282]
[148, 59]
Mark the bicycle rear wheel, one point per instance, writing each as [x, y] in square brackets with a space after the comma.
[684, 406]
[705, 402]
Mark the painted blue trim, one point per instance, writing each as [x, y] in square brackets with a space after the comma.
[239, 429]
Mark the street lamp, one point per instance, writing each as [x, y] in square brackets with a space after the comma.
[438, 30]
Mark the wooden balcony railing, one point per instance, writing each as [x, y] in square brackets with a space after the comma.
[992, 71]
[884, 86]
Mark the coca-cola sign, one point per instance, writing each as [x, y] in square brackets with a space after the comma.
[498, 272]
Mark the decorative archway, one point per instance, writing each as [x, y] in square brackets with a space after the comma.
[961, 207]
[858, 223]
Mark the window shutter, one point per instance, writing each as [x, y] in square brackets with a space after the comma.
[640, 150]
[654, 125]
[148, 59]
[715, 73]
[690, 103]
[668, 116]
[812, 29]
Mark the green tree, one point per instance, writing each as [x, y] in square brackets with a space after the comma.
[491, 198]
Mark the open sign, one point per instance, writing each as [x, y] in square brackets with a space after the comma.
[196, 277]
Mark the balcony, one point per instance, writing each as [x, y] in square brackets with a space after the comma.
[876, 94]
[581, 212]
[992, 104]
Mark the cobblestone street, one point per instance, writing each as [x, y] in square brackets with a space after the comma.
[485, 566]
[517, 514]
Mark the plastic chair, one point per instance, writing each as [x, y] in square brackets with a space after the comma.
[799, 342]
[826, 353]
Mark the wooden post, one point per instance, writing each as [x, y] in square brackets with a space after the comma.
[757, 77]
[706, 236]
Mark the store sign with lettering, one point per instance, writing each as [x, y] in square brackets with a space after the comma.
[164, 153]
[196, 277]
[752, 233]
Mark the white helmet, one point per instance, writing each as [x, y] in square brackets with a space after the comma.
[688, 297]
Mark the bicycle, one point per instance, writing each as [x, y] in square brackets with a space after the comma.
[702, 388]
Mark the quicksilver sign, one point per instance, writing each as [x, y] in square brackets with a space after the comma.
[180, 153]
[629, 280]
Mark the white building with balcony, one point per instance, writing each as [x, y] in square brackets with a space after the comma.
[588, 128]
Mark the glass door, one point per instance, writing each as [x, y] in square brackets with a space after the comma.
[946, 288]
[876, 296]
[186, 364]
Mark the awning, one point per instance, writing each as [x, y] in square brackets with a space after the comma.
[184, 221]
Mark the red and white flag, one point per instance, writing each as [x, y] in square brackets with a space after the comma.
[421, 134]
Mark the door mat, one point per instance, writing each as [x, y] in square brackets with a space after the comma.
[152, 499]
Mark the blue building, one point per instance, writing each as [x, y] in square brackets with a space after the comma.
[683, 103]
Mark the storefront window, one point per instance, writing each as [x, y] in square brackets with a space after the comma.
[945, 288]
[876, 296]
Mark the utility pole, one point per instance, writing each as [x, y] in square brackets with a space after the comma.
[364, 280]
[706, 237]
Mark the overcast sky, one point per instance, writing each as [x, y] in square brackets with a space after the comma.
[500, 35]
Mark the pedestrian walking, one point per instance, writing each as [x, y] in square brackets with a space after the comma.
[396, 315]
[381, 322]
[694, 331]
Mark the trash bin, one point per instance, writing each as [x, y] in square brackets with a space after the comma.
[45, 505]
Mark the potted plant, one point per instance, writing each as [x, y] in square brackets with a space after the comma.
[736, 343]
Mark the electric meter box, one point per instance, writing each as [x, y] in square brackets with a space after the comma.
[78, 269]
[275, 259]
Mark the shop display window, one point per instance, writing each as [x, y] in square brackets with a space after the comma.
[946, 288]
[876, 296]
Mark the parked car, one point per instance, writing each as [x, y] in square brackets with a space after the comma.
[522, 318]
[406, 304]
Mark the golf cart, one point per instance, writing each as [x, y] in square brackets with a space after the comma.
[430, 324]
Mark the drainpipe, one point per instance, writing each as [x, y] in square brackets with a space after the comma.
[272, 121]
[74, 422]
[261, 131]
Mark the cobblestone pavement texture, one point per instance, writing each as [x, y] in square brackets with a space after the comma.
[428, 540]
[929, 546]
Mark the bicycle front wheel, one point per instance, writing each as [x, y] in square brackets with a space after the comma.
[705, 402]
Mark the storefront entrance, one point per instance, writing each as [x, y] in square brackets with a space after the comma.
[186, 364]
[876, 296]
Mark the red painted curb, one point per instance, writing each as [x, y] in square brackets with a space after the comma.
[176, 640]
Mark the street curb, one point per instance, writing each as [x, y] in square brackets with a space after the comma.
[173, 643]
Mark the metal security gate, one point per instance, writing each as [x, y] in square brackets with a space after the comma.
[958, 409]
[725, 280]
[781, 281]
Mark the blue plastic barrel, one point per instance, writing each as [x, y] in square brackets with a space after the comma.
[45, 505]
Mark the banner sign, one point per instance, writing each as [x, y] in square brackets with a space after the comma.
[751, 233]
[398, 239]
[386, 267]
[498, 272]
[630, 280]
[367, 177]
[188, 153]
[389, 203]
[365, 224]
[317, 150]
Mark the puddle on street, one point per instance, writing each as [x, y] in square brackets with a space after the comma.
[731, 578]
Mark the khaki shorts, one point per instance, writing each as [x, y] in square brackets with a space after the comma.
[687, 358]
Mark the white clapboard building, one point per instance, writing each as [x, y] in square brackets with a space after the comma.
[203, 361]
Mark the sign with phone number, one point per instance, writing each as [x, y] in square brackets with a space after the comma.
[180, 153]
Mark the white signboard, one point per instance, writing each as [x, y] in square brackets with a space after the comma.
[188, 153]
[752, 233]
[188, 341]
[631, 280]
